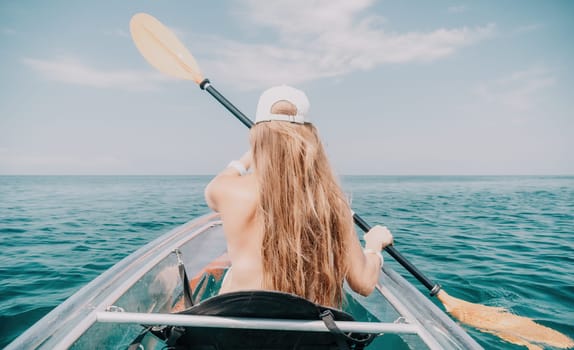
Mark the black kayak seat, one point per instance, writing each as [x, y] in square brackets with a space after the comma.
[262, 304]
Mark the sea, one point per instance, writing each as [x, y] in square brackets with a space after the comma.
[495, 240]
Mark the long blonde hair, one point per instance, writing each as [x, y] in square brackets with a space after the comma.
[304, 211]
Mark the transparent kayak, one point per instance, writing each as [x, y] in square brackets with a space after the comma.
[147, 288]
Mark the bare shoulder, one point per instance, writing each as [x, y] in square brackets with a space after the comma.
[227, 192]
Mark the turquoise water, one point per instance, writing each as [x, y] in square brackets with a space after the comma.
[501, 241]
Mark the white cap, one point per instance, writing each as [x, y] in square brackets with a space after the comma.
[282, 93]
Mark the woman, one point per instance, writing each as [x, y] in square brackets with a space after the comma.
[287, 222]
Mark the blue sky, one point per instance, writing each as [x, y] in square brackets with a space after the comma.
[409, 87]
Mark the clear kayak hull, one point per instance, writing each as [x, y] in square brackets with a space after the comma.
[147, 285]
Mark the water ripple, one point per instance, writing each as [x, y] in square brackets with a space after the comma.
[500, 241]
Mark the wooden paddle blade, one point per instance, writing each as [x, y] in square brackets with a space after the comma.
[498, 321]
[162, 49]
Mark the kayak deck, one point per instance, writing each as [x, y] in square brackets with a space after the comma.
[146, 288]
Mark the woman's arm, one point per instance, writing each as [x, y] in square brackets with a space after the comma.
[365, 265]
[217, 188]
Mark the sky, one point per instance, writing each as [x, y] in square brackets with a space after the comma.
[396, 87]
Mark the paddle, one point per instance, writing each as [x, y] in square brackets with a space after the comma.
[161, 48]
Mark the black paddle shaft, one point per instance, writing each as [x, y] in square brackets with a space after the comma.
[206, 85]
[434, 288]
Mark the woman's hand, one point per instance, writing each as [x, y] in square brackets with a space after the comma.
[378, 238]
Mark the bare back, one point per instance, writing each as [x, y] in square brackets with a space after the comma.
[236, 199]
[243, 232]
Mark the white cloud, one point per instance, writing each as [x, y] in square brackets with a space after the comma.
[122, 33]
[528, 28]
[75, 72]
[457, 9]
[325, 38]
[518, 90]
[8, 31]
[305, 41]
